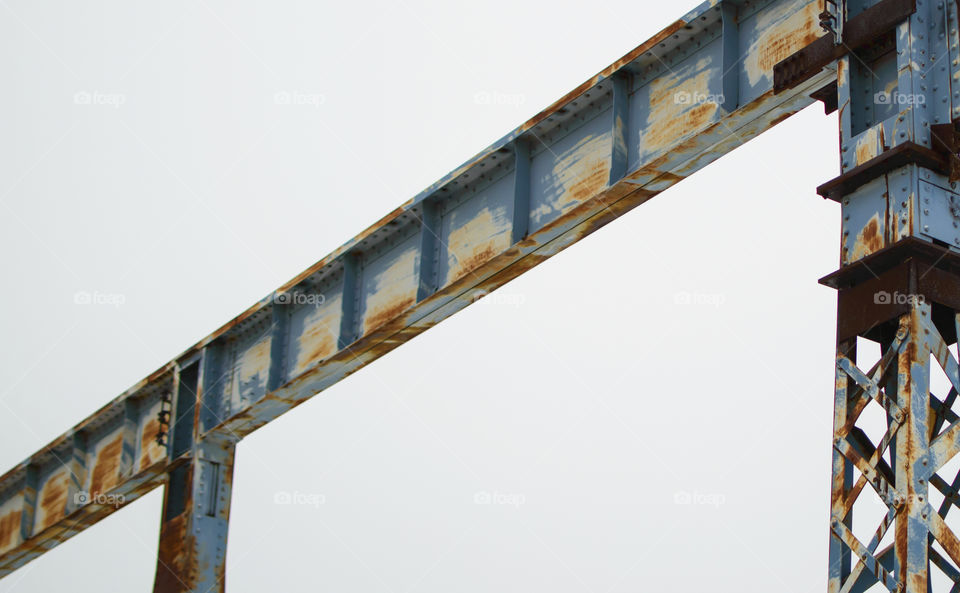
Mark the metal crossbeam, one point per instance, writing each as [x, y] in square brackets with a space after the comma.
[724, 73]
[695, 91]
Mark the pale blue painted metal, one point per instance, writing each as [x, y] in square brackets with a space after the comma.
[890, 96]
[680, 101]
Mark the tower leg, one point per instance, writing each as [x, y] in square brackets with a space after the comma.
[915, 328]
[196, 511]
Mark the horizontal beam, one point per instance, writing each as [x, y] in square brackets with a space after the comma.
[638, 127]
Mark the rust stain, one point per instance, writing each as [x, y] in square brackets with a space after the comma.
[173, 552]
[679, 104]
[909, 223]
[583, 171]
[781, 118]
[579, 174]
[394, 291]
[870, 144]
[843, 106]
[595, 179]
[106, 469]
[669, 178]
[476, 242]
[53, 500]
[150, 451]
[477, 258]
[382, 315]
[322, 344]
[319, 339]
[250, 373]
[9, 530]
[911, 354]
[918, 581]
[869, 240]
[783, 35]
[255, 361]
[903, 223]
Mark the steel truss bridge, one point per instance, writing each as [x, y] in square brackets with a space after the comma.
[714, 79]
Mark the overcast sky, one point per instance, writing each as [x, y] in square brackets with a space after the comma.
[626, 441]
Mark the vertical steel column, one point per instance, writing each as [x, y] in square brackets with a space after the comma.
[912, 444]
[899, 286]
[196, 506]
[196, 513]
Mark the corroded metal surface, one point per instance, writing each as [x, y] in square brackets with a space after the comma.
[905, 461]
[694, 92]
[900, 287]
[196, 513]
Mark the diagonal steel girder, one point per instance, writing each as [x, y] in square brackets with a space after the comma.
[694, 92]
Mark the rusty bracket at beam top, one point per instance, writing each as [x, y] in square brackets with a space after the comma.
[858, 32]
[877, 290]
[828, 96]
[898, 156]
[833, 17]
[942, 158]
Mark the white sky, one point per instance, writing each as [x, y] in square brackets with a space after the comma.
[588, 395]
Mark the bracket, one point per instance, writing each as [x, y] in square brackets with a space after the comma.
[833, 17]
[880, 287]
[946, 140]
[858, 32]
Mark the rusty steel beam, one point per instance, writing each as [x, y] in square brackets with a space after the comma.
[694, 92]
[898, 286]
